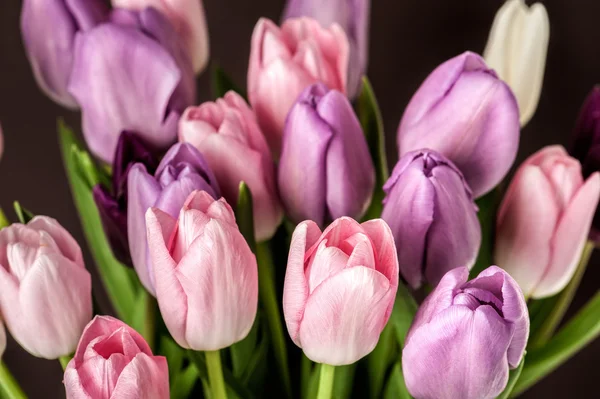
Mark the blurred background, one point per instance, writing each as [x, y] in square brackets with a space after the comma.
[408, 39]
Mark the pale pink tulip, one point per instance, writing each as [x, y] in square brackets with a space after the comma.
[187, 16]
[228, 136]
[339, 289]
[206, 275]
[45, 290]
[113, 361]
[284, 61]
[544, 221]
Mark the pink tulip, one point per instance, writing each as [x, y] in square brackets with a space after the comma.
[187, 16]
[114, 361]
[544, 221]
[284, 61]
[45, 290]
[339, 289]
[206, 275]
[227, 134]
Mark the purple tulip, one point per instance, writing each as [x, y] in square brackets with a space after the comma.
[353, 17]
[466, 336]
[325, 170]
[112, 203]
[181, 171]
[466, 113]
[431, 212]
[133, 74]
[49, 28]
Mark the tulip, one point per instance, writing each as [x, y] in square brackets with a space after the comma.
[114, 361]
[227, 134]
[339, 288]
[112, 204]
[516, 50]
[120, 90]
[181, 171]
[467, 114]
[284, 61]
[187, 16]
[353, 17]
[431, 213]
[206, 275]
[325, 170]
[49, 28]
[45, 290]
[544, 221]
[466, 336]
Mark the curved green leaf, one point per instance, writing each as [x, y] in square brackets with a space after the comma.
[513, 377]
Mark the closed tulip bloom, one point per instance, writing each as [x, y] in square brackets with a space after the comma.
[48, 28]
[339, 288]
[181, 171]
[353, 17]
[463, 111]
[114, 361]
[516, 50]
[544, 221]
[119, 90]
[206, 274]
[285, 61]
[325, 170]
[466, 336]
[45, 290]
[187, 16]
[227, 134]
[431, 212]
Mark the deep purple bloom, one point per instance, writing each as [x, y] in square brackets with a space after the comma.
[466, 336]
[325, 170]
[131, 73]
[112, 202]
[431, 212]
[181, 171]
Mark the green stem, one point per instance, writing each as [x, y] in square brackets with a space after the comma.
[9, 387]
[64, 361]
[306, 369]
[326, 381]
[215, 375]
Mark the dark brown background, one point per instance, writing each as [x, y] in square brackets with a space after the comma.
[408, 39]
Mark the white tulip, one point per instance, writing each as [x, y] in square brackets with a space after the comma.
[516, 50]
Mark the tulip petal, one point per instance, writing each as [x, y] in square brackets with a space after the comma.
[385, 251]
[144, 377]
[325, 262]
[66, 243]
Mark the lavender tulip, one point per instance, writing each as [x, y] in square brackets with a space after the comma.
[181, 171]
[112, 203]
[325, 170]
[134, 74]
[466, 336]
[466, 113]
[353, 17]
[431, 212]
[49, 28]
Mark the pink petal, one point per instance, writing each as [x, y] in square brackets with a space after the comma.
[145, 377]
[65, 241]
[326, 262]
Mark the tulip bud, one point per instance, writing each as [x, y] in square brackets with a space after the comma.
[544, 221]
[114, 361]
[284, 61]
[49, 28]
[325, 170]
[516, 50]
[431, 213]
[187, 16]
[119, 90]
[466, 336]
[466, 113]
[45, 290]
[227, 134]
[339, 288]
[206, 274]
[353, 17]
[181, 171]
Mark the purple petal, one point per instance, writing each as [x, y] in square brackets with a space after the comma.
[114, 222]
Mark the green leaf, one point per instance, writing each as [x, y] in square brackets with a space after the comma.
[222, 83]
[488, 207]
[396, 387]
[370, 119]
[232, 383]
[89, 172]
[144, 318]
[381, 359]
[343, 381]
[244, 215]
[259, 356]
[23, 214]
[184, 381]
[513, 377]
[120, 287]
[4, 222]
[174, 354]
[403, 313]
[242, 351]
